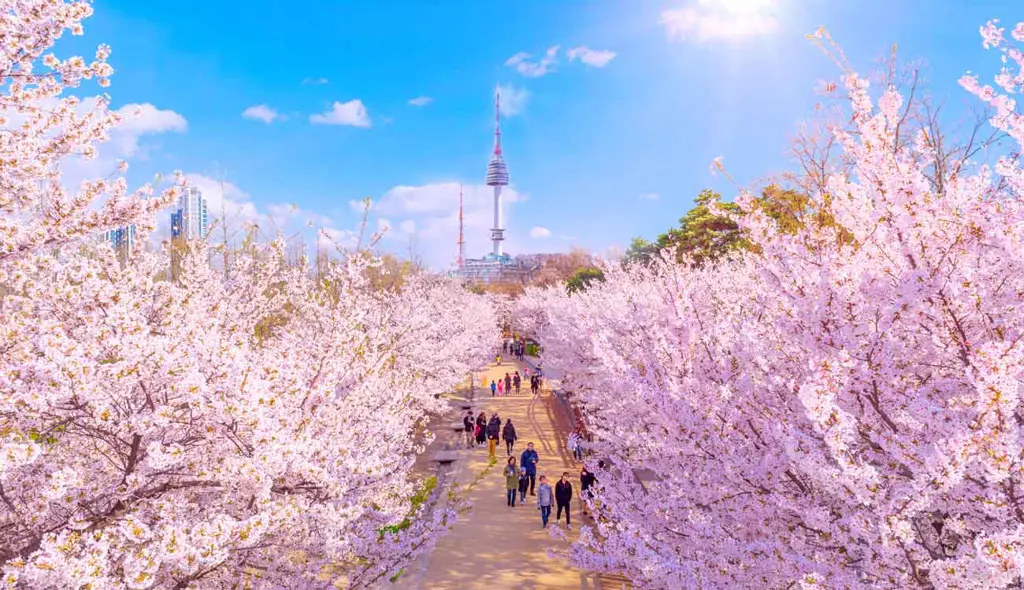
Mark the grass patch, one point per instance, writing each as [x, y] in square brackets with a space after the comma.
[417, 500]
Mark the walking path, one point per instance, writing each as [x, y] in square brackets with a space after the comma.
[494, 546]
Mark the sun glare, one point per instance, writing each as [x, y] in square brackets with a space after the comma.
[740, 7]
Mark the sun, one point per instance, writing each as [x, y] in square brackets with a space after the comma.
[740, 7]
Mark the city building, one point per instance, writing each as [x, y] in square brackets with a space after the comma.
[497, 266]
[191, 219]
[120, 238]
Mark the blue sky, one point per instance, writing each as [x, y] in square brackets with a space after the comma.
[587, 150]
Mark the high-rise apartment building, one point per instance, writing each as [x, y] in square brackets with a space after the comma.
[122, 237]
[191, 220]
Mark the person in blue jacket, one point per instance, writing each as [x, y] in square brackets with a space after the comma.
[528, 461]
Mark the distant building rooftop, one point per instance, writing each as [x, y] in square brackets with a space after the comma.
[494, 268]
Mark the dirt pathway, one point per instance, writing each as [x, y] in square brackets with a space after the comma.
[494, 546]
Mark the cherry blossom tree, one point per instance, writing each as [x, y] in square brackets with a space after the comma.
[837, 408]
[254, 428]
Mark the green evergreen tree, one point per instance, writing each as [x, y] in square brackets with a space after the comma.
[582, 279]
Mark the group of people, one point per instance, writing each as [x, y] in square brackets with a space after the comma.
[481, 429]
[516, 347]
[523, 478]
[504, 386]
[500, 387]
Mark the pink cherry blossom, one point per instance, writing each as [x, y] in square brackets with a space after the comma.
[836, 410]
[251, 428]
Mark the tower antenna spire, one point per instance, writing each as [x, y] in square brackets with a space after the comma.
[461, 256]
[497, 121]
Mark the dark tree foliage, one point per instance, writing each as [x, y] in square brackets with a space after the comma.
[582, 279]
[705, 235]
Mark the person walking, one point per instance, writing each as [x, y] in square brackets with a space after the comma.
[493, 433]
[508, 383]
[528, 461]
[524, 484]
[504, 346]
[587, 481]
[481, 428]
[508, 434]
[575, 445]
[516, 381]
[563, 498]
[467, 425]
[501, 388]
[545, 498]
[511, 481]
[494, 386]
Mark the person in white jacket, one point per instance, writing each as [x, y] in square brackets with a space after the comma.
[575, 444]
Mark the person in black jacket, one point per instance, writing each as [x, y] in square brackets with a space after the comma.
[481, 428]
[524, 484]
[493, 433]
[587, 481]
[468, 425]
[508, 434]
[563, 498]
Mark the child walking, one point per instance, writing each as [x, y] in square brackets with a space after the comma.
[524, 484]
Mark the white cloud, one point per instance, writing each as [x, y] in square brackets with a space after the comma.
[314, 81]
[138, 120]
[513, 100]
[146, 118]
[540, 232]
[261, 112]
[720, 20]
[434, 208]
[344, 113]
[408, 226]
[383, 225]
[597, 58]
[420, 101]
[534, 69]
[650, 196]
